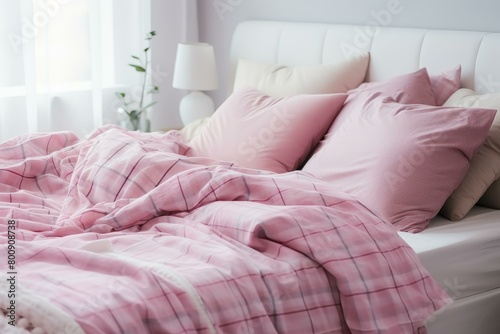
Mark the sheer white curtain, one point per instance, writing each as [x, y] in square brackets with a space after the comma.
[62, 61]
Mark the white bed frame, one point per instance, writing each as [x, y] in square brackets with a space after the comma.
[393, 51]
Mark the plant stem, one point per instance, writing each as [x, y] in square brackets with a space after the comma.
[145, 79]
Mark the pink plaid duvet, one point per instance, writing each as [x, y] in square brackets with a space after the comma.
[123, 233]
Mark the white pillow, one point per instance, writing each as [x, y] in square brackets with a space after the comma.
[279, 80]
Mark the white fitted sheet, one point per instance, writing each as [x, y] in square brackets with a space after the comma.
[478, 314]
[463, 256]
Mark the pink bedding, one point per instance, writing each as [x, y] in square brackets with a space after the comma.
[122, 232]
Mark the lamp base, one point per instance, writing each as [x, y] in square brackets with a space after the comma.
[195, 105]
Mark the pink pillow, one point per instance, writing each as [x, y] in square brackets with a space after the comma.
[415, 87]
[258, 131]
[445, 84]
[401, 161]
[408, 88]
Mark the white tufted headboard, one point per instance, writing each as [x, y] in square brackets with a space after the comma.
[393, 51]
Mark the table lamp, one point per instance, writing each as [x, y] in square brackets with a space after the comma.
[195, 70]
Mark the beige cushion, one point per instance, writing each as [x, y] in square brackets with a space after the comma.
[491, 197]
[279, 81]
[484, 166]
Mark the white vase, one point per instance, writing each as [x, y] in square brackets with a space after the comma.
[142, 123]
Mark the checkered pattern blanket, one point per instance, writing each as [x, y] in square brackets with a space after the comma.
[124, 232]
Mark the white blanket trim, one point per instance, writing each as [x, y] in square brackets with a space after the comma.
[38, 311]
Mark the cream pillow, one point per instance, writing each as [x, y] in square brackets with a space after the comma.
[484, 166]
[192, 129]
[279, 80]
[491, 197]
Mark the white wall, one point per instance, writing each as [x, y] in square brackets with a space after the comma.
[169, 19]
[217, 18]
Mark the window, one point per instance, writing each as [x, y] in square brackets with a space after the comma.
[63, 61]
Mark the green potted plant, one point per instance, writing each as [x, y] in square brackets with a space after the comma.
[134, 110]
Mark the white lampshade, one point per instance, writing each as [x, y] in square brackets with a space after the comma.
[195, 70]
[195, 67]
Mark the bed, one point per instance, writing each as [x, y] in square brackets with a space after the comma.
[129, 232]
[462, 256]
